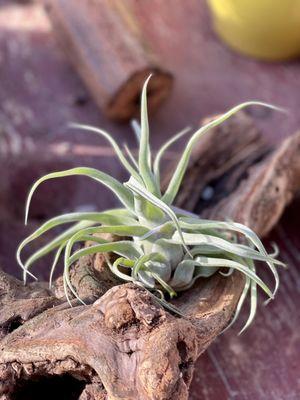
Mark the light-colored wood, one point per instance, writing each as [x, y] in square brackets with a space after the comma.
[106, 47]
[124, 345]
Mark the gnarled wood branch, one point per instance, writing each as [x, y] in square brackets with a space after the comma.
[124, 345]
[104, 42]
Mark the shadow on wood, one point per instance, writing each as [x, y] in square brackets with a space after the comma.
[124, 345]
[104, 42]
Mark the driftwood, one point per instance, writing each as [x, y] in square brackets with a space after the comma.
[242, 177]
[103, 41]
[124, 345]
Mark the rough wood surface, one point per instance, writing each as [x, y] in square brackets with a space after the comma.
[217, 156]
[103, 40]
[122, 341]
[40, 93]
[124, 345]
[247, 180]
[271, 185]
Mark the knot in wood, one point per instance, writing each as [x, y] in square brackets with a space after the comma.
[118, 316]
[116, 308]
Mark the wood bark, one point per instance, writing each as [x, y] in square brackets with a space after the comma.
[104, 42]
[124, 345]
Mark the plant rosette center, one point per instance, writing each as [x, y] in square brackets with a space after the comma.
[160, 247]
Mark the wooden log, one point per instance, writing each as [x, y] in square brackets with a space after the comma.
[124, 345]
[241, 176]
[103, 40]
[270, 186]
[225, 150]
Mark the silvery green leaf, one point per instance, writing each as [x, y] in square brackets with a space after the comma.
[89, 234]
[147, 212]
[125, 248]
[181, 167]
[240, 303]
[240, 228]
[198, 239]
[228, 273]
[144, 149]
[65, 284]
[162, 150]
[253, 299]
[159, 232]
[117, 230]
[225, 263]
[136, 129]
[137, 188]
[170, 251]
[115, 270]
[55, 262]
[141, 261]
[202, 271]
[131, 156]
[111, 217]
[113, 143]
[206, 250]
[119, 190]
[52, 245]
[162, 269]
[164, 284]
[147, 279]
[164, 230]
[183, 213]
[68, 284]
[183, 274]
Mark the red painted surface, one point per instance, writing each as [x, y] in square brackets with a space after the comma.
[40, 94]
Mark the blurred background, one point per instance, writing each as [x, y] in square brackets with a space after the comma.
[84, 61]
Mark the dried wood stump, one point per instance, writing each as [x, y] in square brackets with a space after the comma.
[124, 345]
[103, 40]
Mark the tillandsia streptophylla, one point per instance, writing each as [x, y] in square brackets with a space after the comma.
[167, 248]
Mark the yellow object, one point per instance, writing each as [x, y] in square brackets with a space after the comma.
[266, 29]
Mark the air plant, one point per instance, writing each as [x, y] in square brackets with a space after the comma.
[166, 249]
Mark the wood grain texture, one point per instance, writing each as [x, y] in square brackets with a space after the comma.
[251, 365]
[42, 337]
[103, 40]
[39, 94]
[37, 343]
